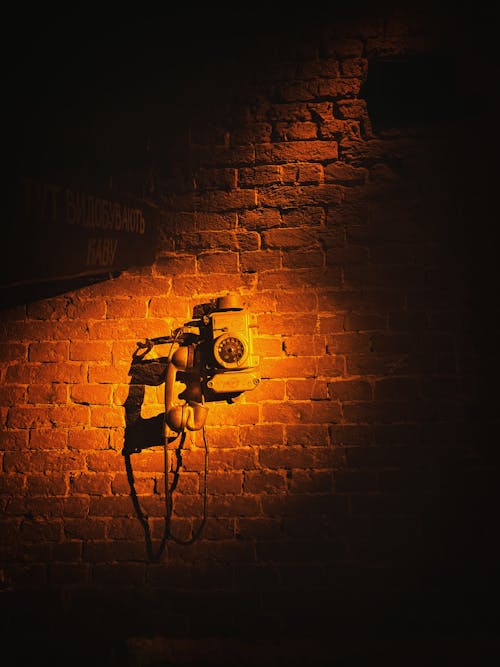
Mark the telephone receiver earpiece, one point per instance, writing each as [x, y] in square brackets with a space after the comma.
[192, 414]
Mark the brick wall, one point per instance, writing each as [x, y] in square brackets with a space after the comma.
[351, 491]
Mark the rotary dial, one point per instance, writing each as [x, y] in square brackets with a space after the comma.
[230, 351]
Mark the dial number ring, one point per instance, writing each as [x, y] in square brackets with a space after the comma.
[230, 350]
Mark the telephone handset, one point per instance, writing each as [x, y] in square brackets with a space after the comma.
[215, 355]
[192, 414]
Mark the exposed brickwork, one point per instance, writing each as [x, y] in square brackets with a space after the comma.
[352, 474]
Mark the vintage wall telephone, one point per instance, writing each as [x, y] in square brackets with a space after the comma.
[213, 356]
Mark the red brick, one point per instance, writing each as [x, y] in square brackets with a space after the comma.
[283, 458]
[308, 259]
[295, 196]
[48, 351]
[226, 482]
[93, 484]
[356, 67]
[28, 417]
[225, 436]
[304, 216]
[267, 347]
[247, 241]
[284, 324]
[102, 416]
[325, 412]
[231, 415]
[42, 462]
[298, 367]
[351, 434]
[221, 201]
[256, 133]
[350, 390]
[47, 309]
[66, 372]
[21, 373]
[260, 260]
[254, 176]
[304, 345]
[12, 351]
[12, 394]
[91, 394]
[262, 434]
[127, 329]
[205, 240]
[260, 219]
[90, 351]
[39, 330]
[215, 179]
[347, 174]
[174, 264]
[150, 460]
[302, 173]
[323, 67]
[288, 238]
[311, 482]
[352, 109]
[287, 413]
[48, 393]
[299, 91]
[129, 529]
[296, 151]
[349, 342]
[306, 435]
[267, 390]
[264, 482]
[11, 485]
[49, 438]
[120, 307]
[334, 237]
[295, 131]
[205, 286]
[86, 309]
[126, 284]
[162, 307]
[289, 112]
[218, 262]
[97, 438]
[14, 439]
[378, 364]
[71, 415]
[331, 324]
[47, 485]
[241, 458]
[306, 389]
[296, 302]
[212, 221]
[330, 365]
[340, 88]
[109, 374]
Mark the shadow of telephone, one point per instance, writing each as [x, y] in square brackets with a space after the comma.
[213, 356]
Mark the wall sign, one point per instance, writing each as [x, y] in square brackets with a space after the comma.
[65, 231]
